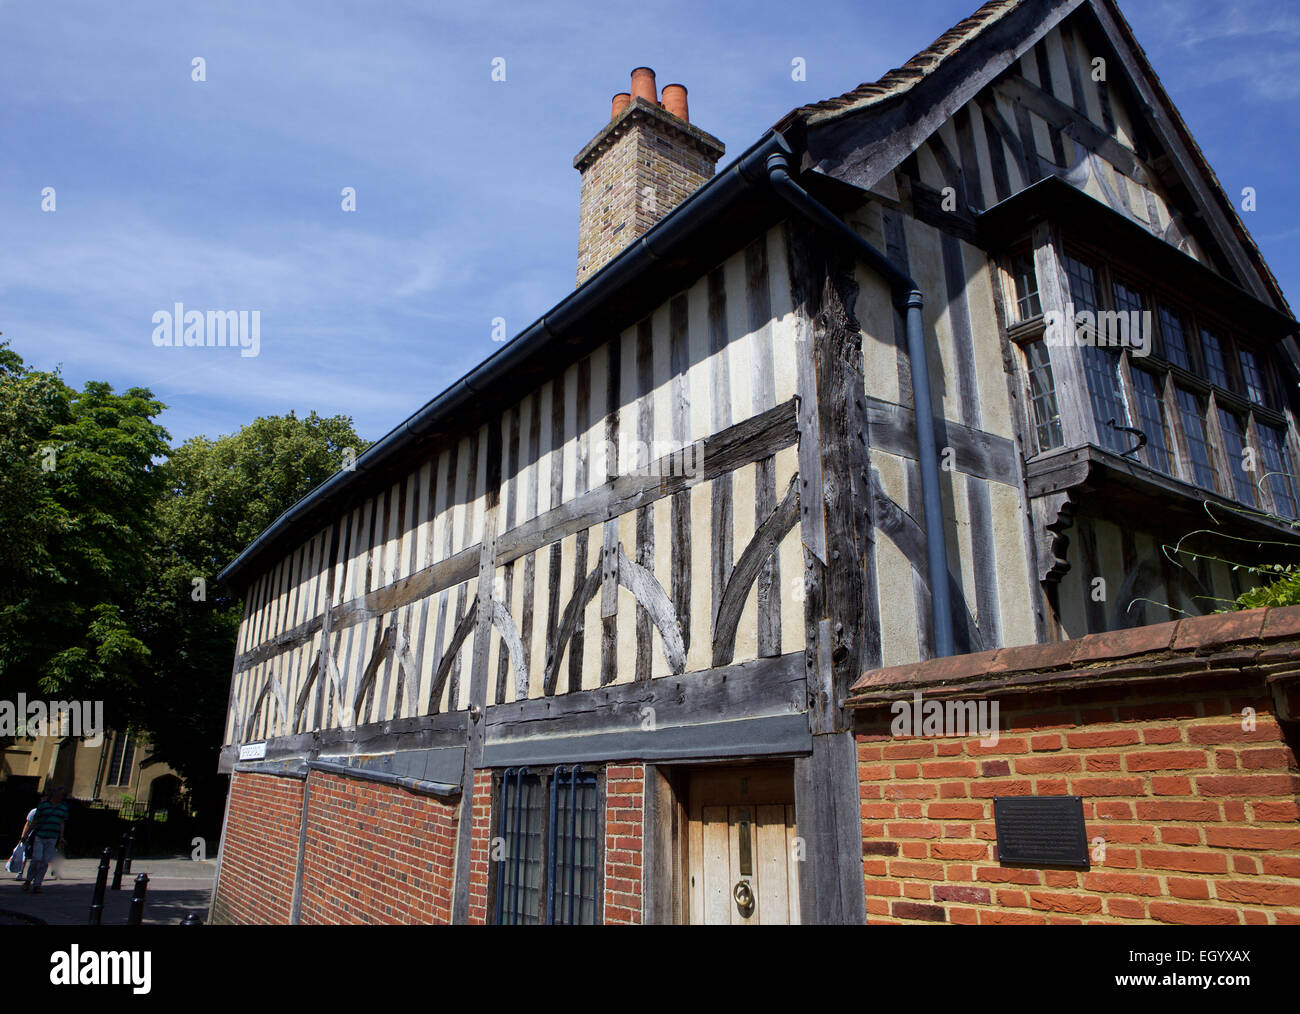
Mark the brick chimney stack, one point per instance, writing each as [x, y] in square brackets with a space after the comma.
[642, 165]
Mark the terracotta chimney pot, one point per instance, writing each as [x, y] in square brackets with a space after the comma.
[621, 101]
[643, 85]
[675, 101]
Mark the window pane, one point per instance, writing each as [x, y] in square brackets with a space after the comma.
[519, 874]
[573, 863]
[1192, 409]
[1128, 300]
[1253, 375]
[115, 761]
[1153, 421]
[1175, 337]
[1027, 302]
[1042, 396]
[1106, 398]
[128, 759]
[1215, 366]
[1234, 445]
[1082, 279]
[1280, 469]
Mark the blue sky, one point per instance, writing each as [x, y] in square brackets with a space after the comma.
[225, 193]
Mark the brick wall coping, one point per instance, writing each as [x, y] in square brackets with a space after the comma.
[1259, 642]
[287, 767]
[417, 785]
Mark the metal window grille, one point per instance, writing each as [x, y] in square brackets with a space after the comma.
[1192, 410]
[1234, 443]
[1155, 424]
[519, 869]
[571, 871]
[1042, 396]
[547, 870]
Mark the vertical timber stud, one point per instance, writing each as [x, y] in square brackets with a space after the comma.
[476, 716]
[841, 609]
[295, 906]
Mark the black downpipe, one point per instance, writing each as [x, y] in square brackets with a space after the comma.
[910, 301]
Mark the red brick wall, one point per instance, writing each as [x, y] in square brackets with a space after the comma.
[624, 810]
[1199, 815]
[377, 853]
[480, 847]
[259, 850]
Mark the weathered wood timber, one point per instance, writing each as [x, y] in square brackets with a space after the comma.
[747, 689]
[753, 559]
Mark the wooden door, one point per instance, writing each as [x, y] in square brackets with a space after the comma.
[742, 847]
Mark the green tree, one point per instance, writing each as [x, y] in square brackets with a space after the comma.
[219, 495]
[79, 484]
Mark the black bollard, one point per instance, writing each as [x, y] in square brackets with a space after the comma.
[192, 920]
[137, 900]
[117, 867]
[101, 881]
[130, 847]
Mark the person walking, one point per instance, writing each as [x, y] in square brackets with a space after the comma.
[47, 837]
[18, 860]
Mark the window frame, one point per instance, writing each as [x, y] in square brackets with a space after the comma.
[1156, 293]
[547, 773]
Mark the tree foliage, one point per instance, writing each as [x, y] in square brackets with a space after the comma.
[79, 485]
[112, 544]
[220, 494]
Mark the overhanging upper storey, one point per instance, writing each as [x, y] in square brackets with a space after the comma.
[1077, 214]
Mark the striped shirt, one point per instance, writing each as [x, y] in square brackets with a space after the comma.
[49, 818]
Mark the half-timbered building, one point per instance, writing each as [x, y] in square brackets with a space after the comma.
[938, 367]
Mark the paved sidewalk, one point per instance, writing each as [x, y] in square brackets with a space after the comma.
[178, 885]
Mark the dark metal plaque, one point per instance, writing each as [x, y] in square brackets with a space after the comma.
[1041, 830]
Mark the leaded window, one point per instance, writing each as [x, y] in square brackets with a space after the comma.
[1192, 409]
[1280, 470]
[1153, 420]
[1106, 397]
[1082, 279]
[1234, 446]
[1253, 375]
[1042, 396]
[1128, 300]
[1028, 303]
[1216, 367]
[1174, 334]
